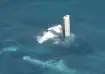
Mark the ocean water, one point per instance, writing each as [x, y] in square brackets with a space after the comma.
[22, 20]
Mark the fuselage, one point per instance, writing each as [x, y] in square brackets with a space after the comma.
[51, 33]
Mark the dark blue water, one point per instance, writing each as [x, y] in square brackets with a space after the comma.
[22, 20]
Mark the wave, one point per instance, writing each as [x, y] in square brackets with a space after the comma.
[55, 65]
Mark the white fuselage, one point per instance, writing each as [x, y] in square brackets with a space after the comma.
[51, 33]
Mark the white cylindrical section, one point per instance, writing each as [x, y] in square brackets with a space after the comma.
[67, 25]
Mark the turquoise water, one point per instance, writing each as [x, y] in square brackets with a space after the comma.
[22, 20]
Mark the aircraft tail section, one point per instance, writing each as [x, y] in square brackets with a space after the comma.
[67, 27]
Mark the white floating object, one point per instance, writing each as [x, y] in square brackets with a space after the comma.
[57, 28]
[50, 34]
[67, 27]
[56, 32]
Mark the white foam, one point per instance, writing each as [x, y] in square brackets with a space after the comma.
[26, 57]
[12, 48]
[56, 65]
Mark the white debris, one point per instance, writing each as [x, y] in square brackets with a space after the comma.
[46, 36]
[57, 28]
[50, 34]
